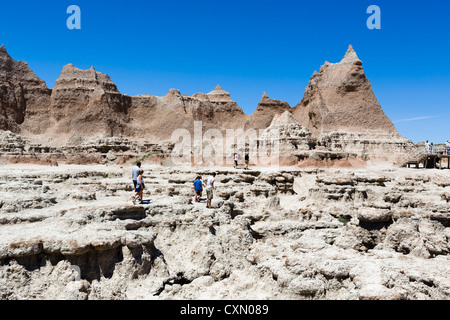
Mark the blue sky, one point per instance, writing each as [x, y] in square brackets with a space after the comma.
[248, 47]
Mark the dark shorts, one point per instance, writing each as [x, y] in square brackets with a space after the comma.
[138, 189]
[135, 183]
[199, 193]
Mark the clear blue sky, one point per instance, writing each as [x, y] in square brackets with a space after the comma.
[248, 47]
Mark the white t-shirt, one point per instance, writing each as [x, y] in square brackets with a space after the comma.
[235, 157]
[209, 182]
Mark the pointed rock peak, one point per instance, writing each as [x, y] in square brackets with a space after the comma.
[219, 91]
[350, 56]
[219, 95]
[68, 66]
[285, 118]
[92, 68]
[265, 96]
[174, 92]
[3, 49]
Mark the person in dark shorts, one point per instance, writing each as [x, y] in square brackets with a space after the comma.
[134, 173]
[198, 188]
[139, 190]
[246, 161]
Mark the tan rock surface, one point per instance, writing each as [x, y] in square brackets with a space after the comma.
[22, 93]
[340, 98]
[279, 233]
[265, 112]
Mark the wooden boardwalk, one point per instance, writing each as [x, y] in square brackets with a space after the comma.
[430, 161]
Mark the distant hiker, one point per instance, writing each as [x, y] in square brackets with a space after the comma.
[246, 161]
[235, 160]
[198, 188]
[447, 146]
[365, 156]
[139, 190]
[427, 147]
[210, 189]
[431, 148]
[134, 173]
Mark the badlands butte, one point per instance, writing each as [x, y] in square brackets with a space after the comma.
[314, 222]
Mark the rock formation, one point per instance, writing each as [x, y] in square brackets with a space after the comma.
[285, 137]
[340, 105]
[215, 110]
[289, 233]
[22, 93]
[340, 98]
[317, 224]
[339, 109]
[86, 103]
[265, 112]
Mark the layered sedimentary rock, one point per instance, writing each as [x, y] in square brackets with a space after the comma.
[265, 112]
[289, 143]
[22, 93]
[272, 234]
[290, 134]
[340, 108]
[340, 98]
[215, 110]
[216, 106]
[285, 137]
[384, 147]
[87, 103]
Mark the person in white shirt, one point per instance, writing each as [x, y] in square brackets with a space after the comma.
[447, 145]
[134, 173]
[210, 189]
[427, 147]
[235, 160]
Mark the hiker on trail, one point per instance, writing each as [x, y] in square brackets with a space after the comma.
[134, 173]
[235, 160]
[198, 188]
[431, 148]
[210, 189]
[246, 161]
[365, 156]
[447, 145]
[139, 190]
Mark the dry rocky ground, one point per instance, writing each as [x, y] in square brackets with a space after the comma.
[376, 232]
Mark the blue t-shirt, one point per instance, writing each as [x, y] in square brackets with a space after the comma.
[135, 172]
[198, 185]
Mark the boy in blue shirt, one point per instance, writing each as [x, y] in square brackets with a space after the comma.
[198, 188]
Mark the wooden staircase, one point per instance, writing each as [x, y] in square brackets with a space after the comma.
[413, 158]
